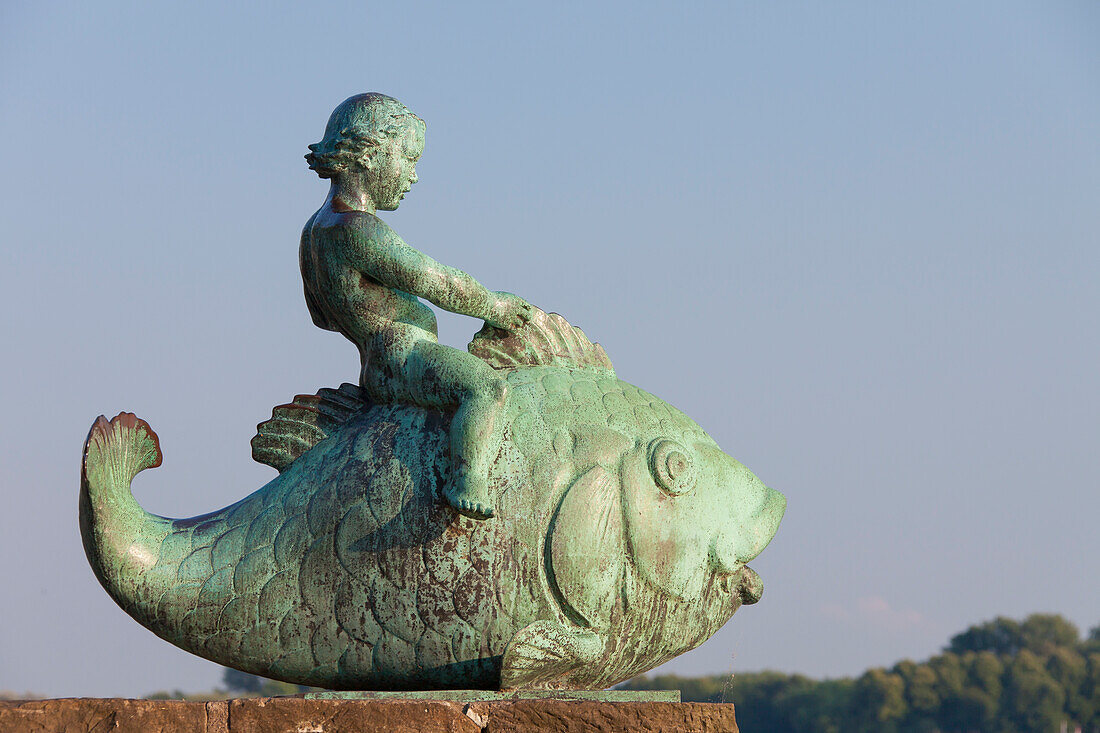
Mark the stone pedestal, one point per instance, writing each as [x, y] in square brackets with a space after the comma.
[256, 715]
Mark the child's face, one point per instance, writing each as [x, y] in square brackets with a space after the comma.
[394, 169]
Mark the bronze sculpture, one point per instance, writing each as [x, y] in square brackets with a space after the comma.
[571, 530]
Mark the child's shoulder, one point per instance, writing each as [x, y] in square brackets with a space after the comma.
[360, 224]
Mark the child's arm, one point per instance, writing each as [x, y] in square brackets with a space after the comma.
[382, 255]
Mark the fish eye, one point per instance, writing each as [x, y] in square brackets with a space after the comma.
[671, 466]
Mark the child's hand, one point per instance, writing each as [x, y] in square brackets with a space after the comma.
[509, 311]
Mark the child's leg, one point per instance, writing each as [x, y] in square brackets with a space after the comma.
[444, 377]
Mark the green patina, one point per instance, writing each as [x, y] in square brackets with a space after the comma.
[364, 281]
[512, 696]
[512, 516]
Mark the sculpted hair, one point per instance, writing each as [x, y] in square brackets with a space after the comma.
[358, 125]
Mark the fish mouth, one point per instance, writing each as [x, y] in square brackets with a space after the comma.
[746, 583]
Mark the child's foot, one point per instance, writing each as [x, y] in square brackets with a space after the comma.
[469, 501]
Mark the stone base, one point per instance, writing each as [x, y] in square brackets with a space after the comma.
[256, 715]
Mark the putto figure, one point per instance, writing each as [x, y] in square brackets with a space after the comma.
[364, 281]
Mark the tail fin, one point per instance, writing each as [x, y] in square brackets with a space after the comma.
[119, 536]
[116, 451]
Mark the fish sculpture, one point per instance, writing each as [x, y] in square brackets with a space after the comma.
[620, 540]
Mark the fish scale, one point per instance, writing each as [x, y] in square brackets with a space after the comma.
[349, 571]
[395, 575]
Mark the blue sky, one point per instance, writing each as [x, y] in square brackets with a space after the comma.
[857, 242]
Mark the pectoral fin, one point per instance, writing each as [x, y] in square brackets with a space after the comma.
[586, 550]
[544, 652]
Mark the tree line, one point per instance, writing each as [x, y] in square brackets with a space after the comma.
[1001, 676]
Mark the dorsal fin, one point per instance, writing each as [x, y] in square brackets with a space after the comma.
[296, 427]
[548, 339]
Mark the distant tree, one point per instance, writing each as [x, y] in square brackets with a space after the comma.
[704, 689]
[973, 709]
[984, 672]
[1033, 700]
[1000, 676]
[1092, 641]
[950, 674]
[244, 683]
[759, 698]
[1037, 633]
[1042, 632]
[1090, 693]
[1000, 636]
[237, 681]
[1069, 669]
[784, 703]
[166, 695]
[879, 701]
[817, 707]
[921, 693]
[767, 701]
[692, 689]
[25, 695]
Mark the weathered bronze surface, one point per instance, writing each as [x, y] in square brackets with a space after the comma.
[500, 696]
[508, 517]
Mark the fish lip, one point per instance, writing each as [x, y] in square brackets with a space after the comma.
[744, 583]
[751, 587]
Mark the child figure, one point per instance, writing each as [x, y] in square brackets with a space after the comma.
[362, 280]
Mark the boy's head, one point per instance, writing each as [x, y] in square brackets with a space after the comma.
[375, 138]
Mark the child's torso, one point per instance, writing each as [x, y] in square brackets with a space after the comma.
[347, 299]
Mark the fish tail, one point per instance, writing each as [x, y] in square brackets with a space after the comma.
[119, 536]
[176, 576]
[117, 450]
